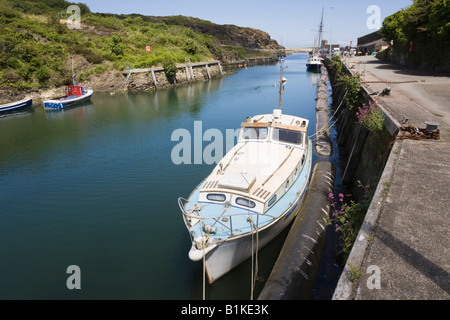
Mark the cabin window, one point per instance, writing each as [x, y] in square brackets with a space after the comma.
[272, 200]
[216, 197]
[245, 203]
[288, 136]
[255, 133]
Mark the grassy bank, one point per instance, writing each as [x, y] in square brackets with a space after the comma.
[36, 45]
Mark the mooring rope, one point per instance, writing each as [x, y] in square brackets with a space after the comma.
[255, 267]
[332, 117]
[204, 270]
[125, 83]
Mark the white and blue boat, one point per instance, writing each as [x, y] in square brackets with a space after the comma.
[74, 94]
[253, 193]
[13, 106]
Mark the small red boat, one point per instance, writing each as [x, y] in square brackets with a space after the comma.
[74, 94]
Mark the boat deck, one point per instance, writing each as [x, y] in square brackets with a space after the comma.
[230, 220]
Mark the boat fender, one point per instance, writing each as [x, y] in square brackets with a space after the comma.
[200, 247]
[201, 242]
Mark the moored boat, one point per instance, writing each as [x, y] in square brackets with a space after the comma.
[315, 59]
[16, 105]
[252, 194]
[314, 63]
[74, 94]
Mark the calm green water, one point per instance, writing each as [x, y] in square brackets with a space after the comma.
[95, 186]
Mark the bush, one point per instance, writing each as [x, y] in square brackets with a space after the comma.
[90, 55]
[347, 219]
[352, 86]
[371, 117]
[191, 47]
[425, 24]
[42, 74]
[116, 45]
[170, 68]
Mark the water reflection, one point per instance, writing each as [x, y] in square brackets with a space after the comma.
[314, 77]
[94, 185]
[23, 139]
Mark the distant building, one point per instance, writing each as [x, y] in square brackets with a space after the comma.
[327, 46]
[372, 42]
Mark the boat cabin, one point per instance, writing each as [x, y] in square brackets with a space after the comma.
[75, 91]
[263, 165]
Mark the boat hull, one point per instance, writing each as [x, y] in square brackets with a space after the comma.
[58, 104]
[233, 252]
[224, 256]
[314, 67]
[16, 105]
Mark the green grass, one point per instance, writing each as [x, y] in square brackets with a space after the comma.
[36, 46]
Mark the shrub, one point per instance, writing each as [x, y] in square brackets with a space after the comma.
[116, 45]
[42, 74]
[371, 117]
[352, 86]
[191, 47]
[347, 219]
[170, 68]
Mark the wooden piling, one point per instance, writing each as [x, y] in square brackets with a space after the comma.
[154, 78]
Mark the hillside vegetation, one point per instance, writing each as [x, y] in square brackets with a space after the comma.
[420, 33]
[37, 48]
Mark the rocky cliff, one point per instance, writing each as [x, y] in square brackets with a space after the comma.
[227, 35]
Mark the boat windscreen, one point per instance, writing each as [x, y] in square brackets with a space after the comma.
[289, 136]
[251, 133]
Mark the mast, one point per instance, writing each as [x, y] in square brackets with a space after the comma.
[319, 43]
[281, 82]
[73, 73]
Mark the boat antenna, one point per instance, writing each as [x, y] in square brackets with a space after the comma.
[282, 82]
[73, 73]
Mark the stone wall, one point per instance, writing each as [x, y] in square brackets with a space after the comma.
[144, 80]
[366, 152]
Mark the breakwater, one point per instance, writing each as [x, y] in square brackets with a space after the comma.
[295, 271]
[322, 138]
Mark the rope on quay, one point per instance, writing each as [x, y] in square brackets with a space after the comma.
[122, 84]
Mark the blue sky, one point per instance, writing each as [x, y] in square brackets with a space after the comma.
[290, 22]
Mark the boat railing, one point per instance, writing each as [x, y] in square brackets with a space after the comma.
[226, 220]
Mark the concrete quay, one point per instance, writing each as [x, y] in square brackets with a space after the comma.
[402, 251]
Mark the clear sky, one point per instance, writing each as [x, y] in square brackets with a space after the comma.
[290, 22]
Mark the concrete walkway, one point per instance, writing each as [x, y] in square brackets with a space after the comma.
[403, 248]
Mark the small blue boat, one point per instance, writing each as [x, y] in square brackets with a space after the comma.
[74, 94]
[16, 105]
